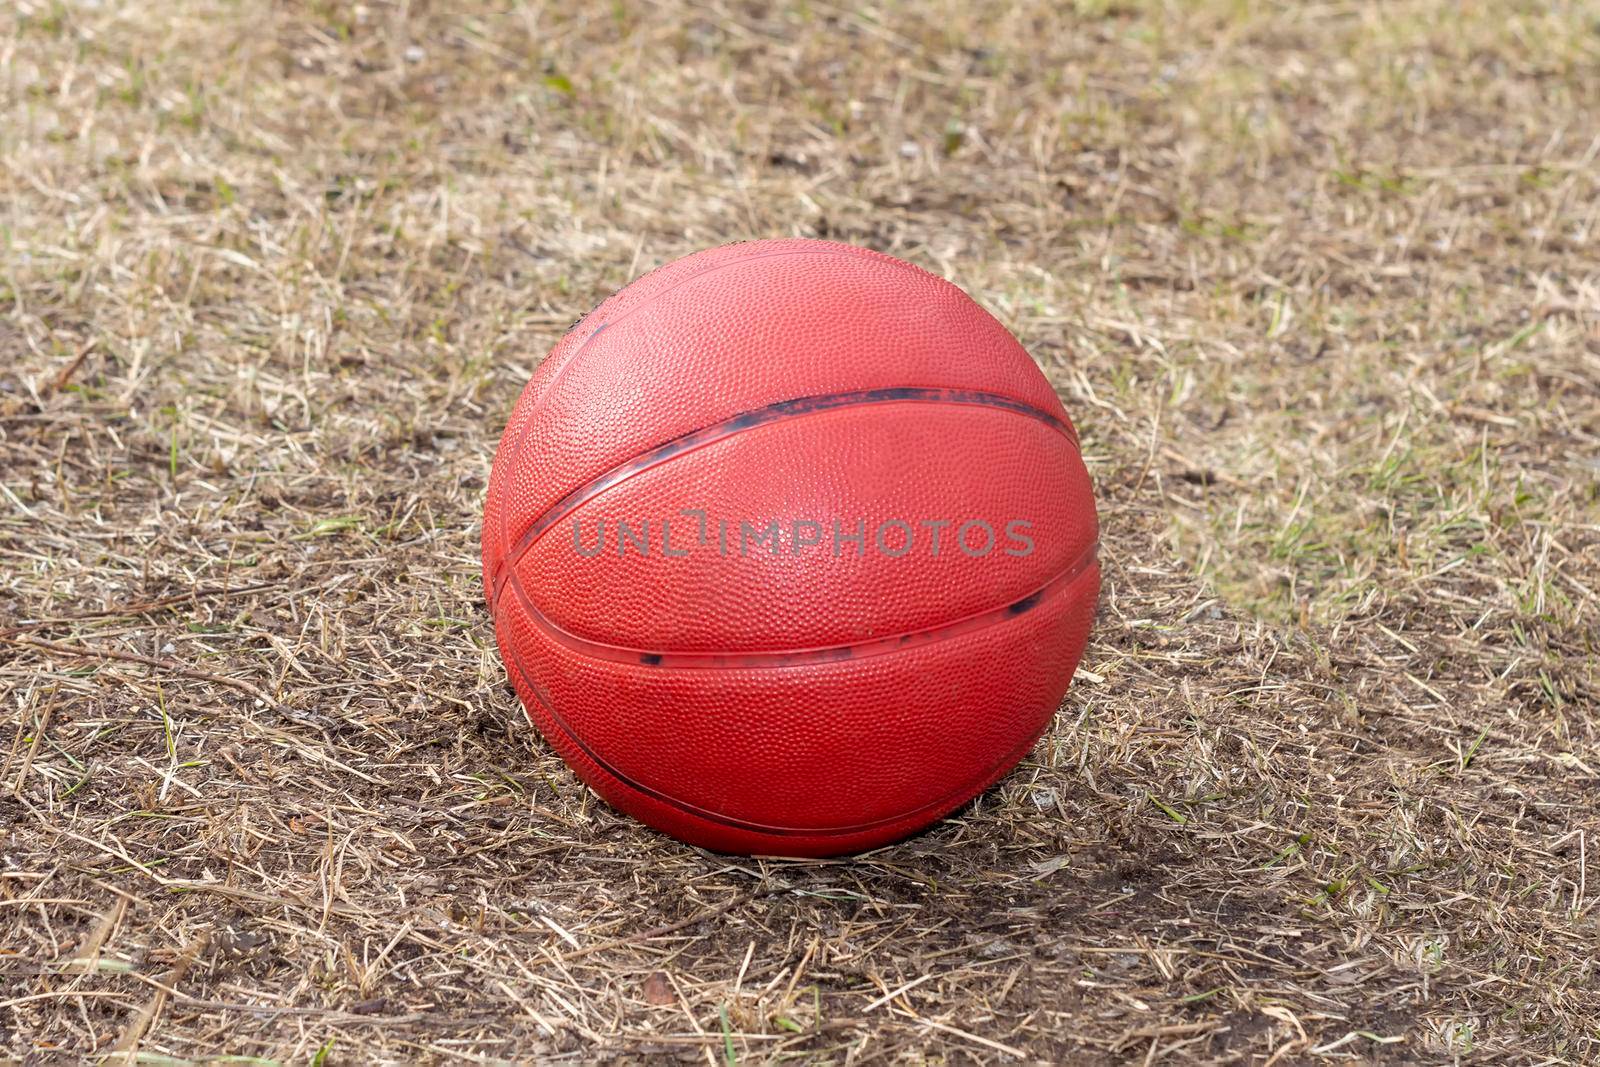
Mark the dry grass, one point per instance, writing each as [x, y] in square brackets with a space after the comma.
[1318, 281]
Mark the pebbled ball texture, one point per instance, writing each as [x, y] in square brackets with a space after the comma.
[765, 694]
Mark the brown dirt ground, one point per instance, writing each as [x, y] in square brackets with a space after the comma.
[1318, 282]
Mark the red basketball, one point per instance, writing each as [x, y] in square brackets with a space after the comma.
[790, 549]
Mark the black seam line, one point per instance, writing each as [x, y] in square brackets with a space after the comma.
[729, 821]
[747, 420]
[777, 658]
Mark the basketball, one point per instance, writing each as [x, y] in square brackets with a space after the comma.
[790, 549]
